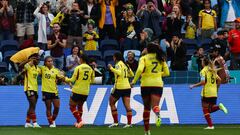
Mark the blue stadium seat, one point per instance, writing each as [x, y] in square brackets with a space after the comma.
[108, 55]
[205, 44]
[8, 45]
[7, 55]
[137, 54]
[109, 44]
[190, 43]
[3, 67]
[180, 80]
[67, 51]
[101, 64]
[94, 54]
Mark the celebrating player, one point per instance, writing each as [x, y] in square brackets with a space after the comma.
[83, 76]
[50, 75]
[31, 71]
[209, 80]
[121, 88]
[152, 67]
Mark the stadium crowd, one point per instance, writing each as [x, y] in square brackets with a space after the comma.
[185, 29]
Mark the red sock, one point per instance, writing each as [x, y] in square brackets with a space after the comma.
[129, 117]
[115, 116]
[156, 110]
[80, 110]
[146, 116]
[214, 108]
[28, 118]
[55, 113]
[75, 113]
[207, 117]
[33, 117]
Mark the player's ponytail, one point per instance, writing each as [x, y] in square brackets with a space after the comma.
[210, 64]
[155, 48]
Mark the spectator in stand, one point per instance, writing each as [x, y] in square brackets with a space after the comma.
[52, 5]
[91, 11]
[197, 59]
[207, 22]
[90, 37]
[130, 30]
[56, 44]
[174, 22]
[141, 3]
[99, 70]
[145, 38]
[6, 21]
[197, 6]
[64, 3]
[220, 43]
[75, 21]
[150, 18]
[131, 61]
[234, 45]
[190, 28]
[230, 10]
[107, 22]
[72, 61]
[44, 21]
[177, 51]
[25, 18]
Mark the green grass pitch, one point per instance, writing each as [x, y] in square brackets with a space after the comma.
[136, 130]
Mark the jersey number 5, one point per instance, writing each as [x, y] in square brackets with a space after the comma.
[155, 66]
[85, 75]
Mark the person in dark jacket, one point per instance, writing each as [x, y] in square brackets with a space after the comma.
[177, 51]
[91, 10]
[130, 30]
[150, 18]
[75, 20]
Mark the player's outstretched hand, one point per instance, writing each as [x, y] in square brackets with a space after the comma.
[191, 86]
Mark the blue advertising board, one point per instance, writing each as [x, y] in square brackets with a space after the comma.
[179, 105]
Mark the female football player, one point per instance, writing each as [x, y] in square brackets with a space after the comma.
[50, 76]
[152, 67]
[210, 81]
[121, 89]
[31, 71]
[83, 76]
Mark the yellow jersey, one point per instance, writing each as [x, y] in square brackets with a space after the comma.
[24, 54]
[30, 77]
[151, 71]
[208, 19]
[90, 44]
[122, 73]
[83, 76]
[49, 79]
[210, 87]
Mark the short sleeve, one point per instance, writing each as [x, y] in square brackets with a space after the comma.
[214, 13]
[202, 75]
[200, 13]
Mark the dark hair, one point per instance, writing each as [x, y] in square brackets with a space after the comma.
[210, 64]
[44, 4]
[84, 58]
[45, 60]
[92, 60]
[79, 49]
[131, 53]
[155, 48]
[204, 2]
[119, 57]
